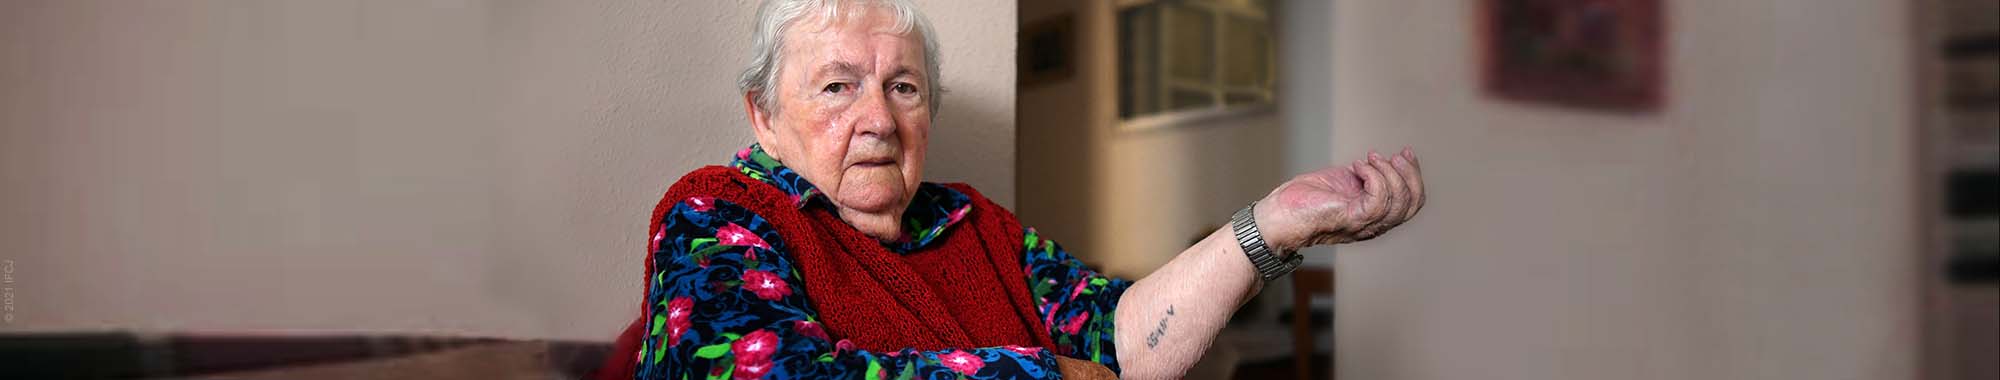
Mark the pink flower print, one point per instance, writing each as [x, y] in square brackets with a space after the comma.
[765, 285]
[753, 354]
[1073, 292]
[1048, 312]
[657, 237]
[809, 328]
[751, 371]
[701, 204]
[1075, 323]
[732, 234]
[957, 215]
[1030, 351]
[679, 310]
[962, 362]
[845, 346]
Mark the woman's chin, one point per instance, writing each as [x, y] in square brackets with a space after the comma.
[871, 190]
[872, 200]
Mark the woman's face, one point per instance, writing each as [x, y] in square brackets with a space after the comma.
[852, 111]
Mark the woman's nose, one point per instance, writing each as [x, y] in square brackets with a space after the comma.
[875, 117]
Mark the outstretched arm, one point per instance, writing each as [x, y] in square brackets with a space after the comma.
[1166, 320]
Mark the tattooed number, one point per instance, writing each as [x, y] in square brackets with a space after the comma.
[1153, 338]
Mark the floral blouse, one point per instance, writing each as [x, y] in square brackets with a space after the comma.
[723, 304]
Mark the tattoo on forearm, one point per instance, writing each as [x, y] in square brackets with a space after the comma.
[1153, 338]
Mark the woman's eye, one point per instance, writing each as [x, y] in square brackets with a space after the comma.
[835, 88]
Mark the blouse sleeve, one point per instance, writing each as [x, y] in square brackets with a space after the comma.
[1075, 301]
[722, 304]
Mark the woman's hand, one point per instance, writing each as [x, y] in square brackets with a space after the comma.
[1343, 204]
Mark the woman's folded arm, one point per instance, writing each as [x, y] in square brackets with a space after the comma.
[724, 303]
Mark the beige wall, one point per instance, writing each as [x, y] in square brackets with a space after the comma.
[1759, 227]
[439, 166]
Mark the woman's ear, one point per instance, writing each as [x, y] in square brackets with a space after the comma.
[760, 124]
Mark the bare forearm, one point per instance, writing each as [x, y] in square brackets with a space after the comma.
[1166, 321]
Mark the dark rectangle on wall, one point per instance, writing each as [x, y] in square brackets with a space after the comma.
[1973, 268]
[1972, 46]
[1970, 194]
[1602, 55]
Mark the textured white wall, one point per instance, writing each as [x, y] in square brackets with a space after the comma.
[1761, 226]
[442, 166]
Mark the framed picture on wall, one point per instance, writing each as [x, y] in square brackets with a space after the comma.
[1592, 54]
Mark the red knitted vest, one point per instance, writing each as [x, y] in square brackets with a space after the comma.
[969, 289]
[966, 290]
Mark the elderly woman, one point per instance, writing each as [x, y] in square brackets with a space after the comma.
[819, 252]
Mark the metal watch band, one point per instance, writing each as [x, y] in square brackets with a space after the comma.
[1269, 264]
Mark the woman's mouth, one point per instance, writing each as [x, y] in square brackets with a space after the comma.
[881, 162]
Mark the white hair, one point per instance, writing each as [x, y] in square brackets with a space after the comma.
[775, 17]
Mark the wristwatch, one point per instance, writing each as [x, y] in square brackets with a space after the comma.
[1270, 265]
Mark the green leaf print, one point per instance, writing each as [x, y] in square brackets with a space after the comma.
[659, 351]
[710, 250]
[712, 351]
[874, 370]
[1096, 350]
[696, 244]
